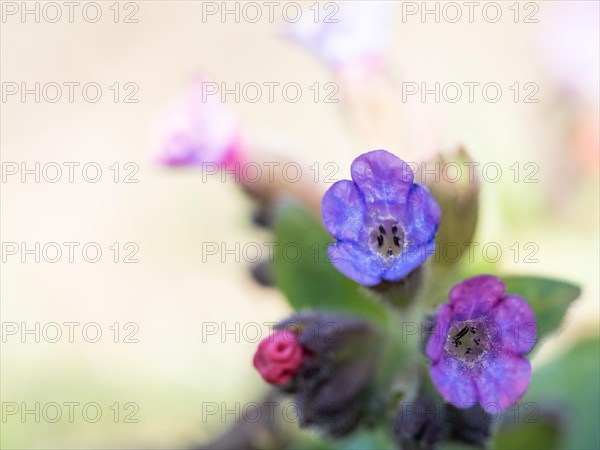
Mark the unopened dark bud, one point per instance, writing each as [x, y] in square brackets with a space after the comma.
[263, 273]
[471, 425]
[332, 386]
[420, 424]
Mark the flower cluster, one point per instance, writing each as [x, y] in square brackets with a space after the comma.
[383, 221]
[385, 228]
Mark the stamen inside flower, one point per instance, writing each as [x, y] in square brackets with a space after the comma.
[387, 239]
[468, 341]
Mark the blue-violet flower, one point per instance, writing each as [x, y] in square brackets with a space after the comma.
[384, 223]
[478, 343]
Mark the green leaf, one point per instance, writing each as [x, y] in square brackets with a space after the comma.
[308, 439]
[548, 298]
[543, 434]
[306, 276]
[451, 445]
[378, 438]
[365, 439]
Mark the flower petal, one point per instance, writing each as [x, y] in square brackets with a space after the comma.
[440, 333]
[475, 296]
[454, 382]
[420, 217]
[357, 263]
[503, 382]
[515, 324]
[409, 261]
[343, 210]
[383, 178]
[179, 150]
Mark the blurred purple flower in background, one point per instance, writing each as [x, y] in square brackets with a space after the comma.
[198, 128]
[478, 344]
[568, 36]
[351, 39]
[384, 223]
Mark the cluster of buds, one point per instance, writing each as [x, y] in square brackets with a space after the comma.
[327, 362]
[424, 423]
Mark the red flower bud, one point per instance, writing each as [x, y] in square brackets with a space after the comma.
[278, 357]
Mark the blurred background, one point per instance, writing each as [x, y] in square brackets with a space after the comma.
[155, 365]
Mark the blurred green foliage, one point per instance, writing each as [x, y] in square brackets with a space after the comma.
[549, 299]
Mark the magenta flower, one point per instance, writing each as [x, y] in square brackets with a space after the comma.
[478, 344]
[197, 129]
[384, 223]
[351, 40]
[279, 357]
